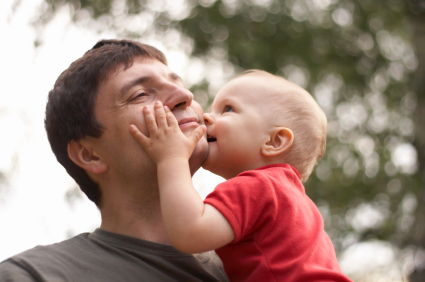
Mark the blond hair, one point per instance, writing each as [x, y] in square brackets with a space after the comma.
[294, 108]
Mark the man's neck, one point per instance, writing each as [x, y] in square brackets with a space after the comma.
[137, 216]
[140, 229]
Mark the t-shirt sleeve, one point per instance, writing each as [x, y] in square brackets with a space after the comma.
[246, 201]
[11, 271]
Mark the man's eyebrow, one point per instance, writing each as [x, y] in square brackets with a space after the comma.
[131, 83]
[175, 76]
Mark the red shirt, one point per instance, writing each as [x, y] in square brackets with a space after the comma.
[279, 234]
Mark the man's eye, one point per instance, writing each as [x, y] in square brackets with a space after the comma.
[227, 108]
[138, 95]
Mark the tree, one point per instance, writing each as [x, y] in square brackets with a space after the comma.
[417, 12]
[356, 57]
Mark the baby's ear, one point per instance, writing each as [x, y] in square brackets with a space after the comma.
[83, 155]
[281, 139]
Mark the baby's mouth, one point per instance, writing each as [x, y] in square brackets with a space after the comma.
[211, 138]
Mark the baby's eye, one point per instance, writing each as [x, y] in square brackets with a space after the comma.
[227, 108]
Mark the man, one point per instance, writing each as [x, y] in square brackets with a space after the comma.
[87, 122]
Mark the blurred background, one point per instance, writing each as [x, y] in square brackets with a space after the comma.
[364, 62]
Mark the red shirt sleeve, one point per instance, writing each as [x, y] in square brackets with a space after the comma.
[244, 201]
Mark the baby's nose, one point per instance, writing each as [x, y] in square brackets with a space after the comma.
[208, 119]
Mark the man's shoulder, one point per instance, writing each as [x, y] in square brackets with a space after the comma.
[47, 251]
[30, 264]
[97, 256]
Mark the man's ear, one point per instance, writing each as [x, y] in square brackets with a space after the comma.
[83, 155]
[281, 140]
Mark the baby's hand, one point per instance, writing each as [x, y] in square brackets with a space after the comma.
[164, 139]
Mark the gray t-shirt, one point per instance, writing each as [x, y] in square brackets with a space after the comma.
[102, 256]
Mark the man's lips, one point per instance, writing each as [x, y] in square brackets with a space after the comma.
[188, 122]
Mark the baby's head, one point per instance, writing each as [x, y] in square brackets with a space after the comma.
[258, 119]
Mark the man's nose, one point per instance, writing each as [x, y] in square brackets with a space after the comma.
[176, 96]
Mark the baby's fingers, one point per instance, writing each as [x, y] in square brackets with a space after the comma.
[138, 135]
[160, 115]
[171, 119]
[150, 121]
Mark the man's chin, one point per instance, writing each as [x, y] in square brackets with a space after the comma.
[199, 156]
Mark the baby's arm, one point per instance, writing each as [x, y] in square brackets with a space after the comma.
[191, 225]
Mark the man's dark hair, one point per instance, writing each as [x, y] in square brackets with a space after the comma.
[70, 113]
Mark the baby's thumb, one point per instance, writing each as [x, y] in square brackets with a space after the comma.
[198, 133]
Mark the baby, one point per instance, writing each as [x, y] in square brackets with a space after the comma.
[265, 136]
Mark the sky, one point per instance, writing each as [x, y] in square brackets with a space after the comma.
[33, 209]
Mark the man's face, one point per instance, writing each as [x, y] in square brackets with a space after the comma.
[121, 97]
